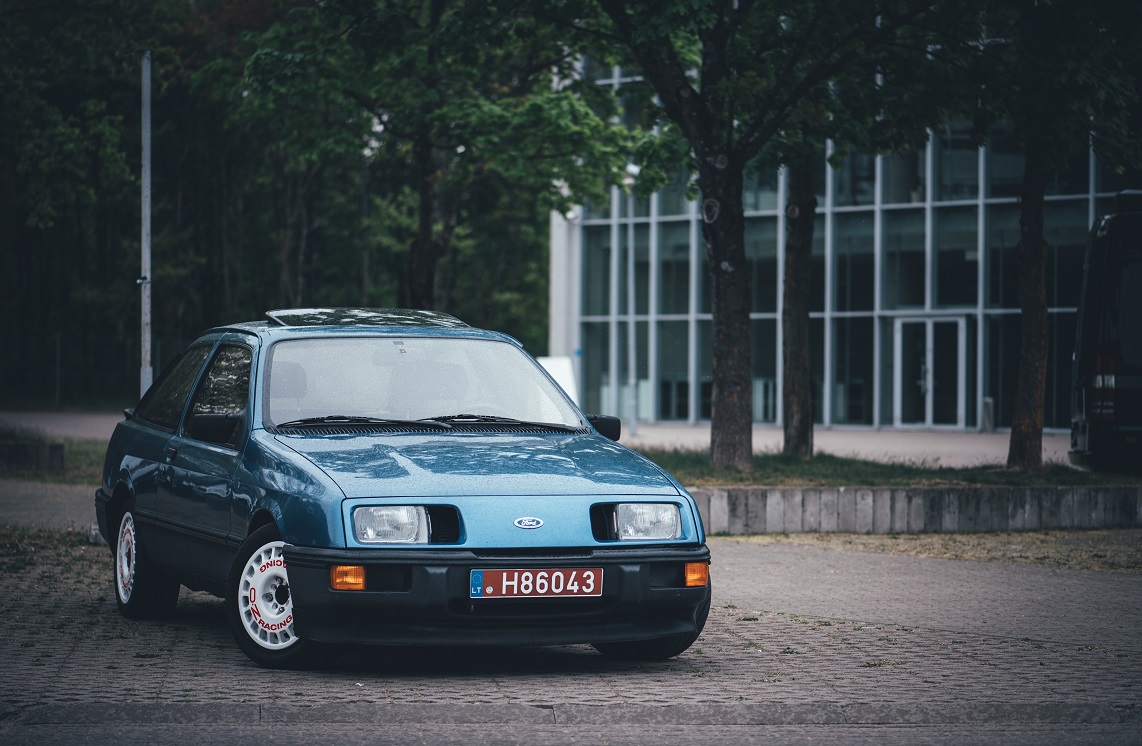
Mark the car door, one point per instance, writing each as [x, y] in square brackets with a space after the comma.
[153, 424]
[202, 458]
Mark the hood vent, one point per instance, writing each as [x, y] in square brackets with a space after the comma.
[410, 429]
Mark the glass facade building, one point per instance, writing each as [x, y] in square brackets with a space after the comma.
[914, 310]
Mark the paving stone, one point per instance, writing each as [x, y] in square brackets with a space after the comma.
[796, 633]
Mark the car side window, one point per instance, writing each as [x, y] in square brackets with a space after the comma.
[162, 405]
[225, 389]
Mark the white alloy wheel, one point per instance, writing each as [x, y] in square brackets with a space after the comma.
[126, 558]
[143, 589]
[265, 607]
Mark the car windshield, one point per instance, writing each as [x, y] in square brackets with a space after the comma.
[409, 378]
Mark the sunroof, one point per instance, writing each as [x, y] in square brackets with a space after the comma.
[361, 317]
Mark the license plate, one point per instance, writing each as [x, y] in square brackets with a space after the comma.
[559, 583]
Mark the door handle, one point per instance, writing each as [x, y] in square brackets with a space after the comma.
[170, 453]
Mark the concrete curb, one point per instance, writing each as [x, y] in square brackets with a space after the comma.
[883, 510]
[769, 713]
[757, 510]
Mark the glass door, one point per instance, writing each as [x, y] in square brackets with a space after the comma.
[929, 372]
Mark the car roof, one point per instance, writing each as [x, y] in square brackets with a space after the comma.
[362, 317]
[308, 321]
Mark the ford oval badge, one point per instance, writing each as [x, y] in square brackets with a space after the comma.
[528, 522]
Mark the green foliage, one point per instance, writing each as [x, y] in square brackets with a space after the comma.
[441, 101]
[1055, 72]
[759, 84]
[69, 82]
[82, 459]
[284, 170]
[305, 152]
[769, 82]
[692, 468]
[1063, 71]
[61, 139]
[13, 433]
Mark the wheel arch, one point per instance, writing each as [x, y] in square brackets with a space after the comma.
[121, 497]
[260, 518]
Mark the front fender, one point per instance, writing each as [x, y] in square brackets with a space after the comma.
[303, 501]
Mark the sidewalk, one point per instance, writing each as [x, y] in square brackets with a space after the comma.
[931, 447]
[79, 425]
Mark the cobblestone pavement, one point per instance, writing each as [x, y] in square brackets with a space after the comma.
[804, 644]
[903, 639]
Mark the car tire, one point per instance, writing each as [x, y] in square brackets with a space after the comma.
[259, 607]
[658, 649]
[143, 590]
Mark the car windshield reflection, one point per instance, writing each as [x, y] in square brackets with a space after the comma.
[399, 380]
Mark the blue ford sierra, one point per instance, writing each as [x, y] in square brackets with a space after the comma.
[394, 477]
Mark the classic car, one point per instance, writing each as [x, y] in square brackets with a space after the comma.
[394, 477]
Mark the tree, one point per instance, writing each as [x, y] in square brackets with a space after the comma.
[751, 84]
[270, 184]
[1065, 75]
[461, 97]
[69, 81]
[797, 394]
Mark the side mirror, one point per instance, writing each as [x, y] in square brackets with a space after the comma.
[608, 426]
[213, 428]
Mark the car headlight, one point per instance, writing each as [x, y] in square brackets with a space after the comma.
[391, 524]
[635, 521]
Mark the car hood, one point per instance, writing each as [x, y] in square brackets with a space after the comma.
[480, 464]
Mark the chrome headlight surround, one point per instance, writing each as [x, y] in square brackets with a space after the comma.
[647, 521]
[391, 524]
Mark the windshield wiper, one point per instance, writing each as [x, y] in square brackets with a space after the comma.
[346, 419]
[506, 421]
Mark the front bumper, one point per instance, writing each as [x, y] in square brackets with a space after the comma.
[1104, 447]
[422, 598]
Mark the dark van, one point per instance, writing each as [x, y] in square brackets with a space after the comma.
[1106, 403]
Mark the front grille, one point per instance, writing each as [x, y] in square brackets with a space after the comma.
[533, 553]
[444, 524]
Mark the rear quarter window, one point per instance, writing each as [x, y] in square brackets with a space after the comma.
[163, 403]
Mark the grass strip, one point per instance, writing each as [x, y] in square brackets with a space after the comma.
[692, 468]
[82, 464]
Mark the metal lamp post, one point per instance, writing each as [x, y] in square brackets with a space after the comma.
[146, 371]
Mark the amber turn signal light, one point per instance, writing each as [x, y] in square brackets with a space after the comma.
[697, 574]
[347, 577]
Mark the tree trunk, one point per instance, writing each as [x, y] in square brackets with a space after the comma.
[223, 210]
[366, 241]
[1025, 449]
[285, 251]
[420, 287]
[723, 224]
[797, 392]
[302, 246]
